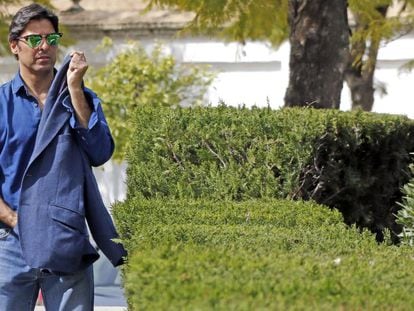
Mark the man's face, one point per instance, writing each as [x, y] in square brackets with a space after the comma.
[40, 59]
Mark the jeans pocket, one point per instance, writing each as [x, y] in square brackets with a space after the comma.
[4, 232]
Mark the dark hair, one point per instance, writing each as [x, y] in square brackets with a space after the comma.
[28, 13]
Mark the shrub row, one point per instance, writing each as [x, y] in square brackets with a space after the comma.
[354, 161]
[137, 213]
[256, 255]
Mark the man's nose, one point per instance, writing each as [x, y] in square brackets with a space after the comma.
[43, 44]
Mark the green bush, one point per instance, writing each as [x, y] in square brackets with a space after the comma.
[354, 161]
[204, 230]
[220, 153]
[405, 216]
[137, 213]
[256, 255]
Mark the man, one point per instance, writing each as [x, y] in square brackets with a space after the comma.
[52, 130]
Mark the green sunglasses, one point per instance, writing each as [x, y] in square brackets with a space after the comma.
[34, 41]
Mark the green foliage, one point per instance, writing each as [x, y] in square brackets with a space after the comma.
[220, 153]
[137, 213]
[267, 19]
[204, 231]
[238, 20]
[256, 255]
[3, 34]
[4, 24]
[135, 78]
[354, 161]
[373, 24]
[360, 166]
[405, 216]
[407, 67]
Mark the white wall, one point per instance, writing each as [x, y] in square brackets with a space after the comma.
[111, 178]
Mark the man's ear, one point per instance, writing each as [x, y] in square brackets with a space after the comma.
[14, 48]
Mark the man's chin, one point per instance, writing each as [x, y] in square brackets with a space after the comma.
[45, 64]
[40, 68]
[47, 61]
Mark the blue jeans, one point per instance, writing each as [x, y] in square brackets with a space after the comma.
[20, 284]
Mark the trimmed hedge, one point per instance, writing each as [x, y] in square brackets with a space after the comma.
[256, 255]
[220, 153]
[135, 214]
[356, 162]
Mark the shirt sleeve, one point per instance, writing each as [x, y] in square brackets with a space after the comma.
[96, 140]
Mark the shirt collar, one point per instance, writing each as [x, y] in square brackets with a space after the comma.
[18, 83]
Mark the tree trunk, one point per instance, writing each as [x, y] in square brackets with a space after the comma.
[362, 62]
[319, 40]
[361, 85]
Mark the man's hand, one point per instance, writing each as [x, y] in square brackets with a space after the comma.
[13, 219]
[77, 69]
[7, 215]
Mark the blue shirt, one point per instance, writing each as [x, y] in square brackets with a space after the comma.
[19, 119]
